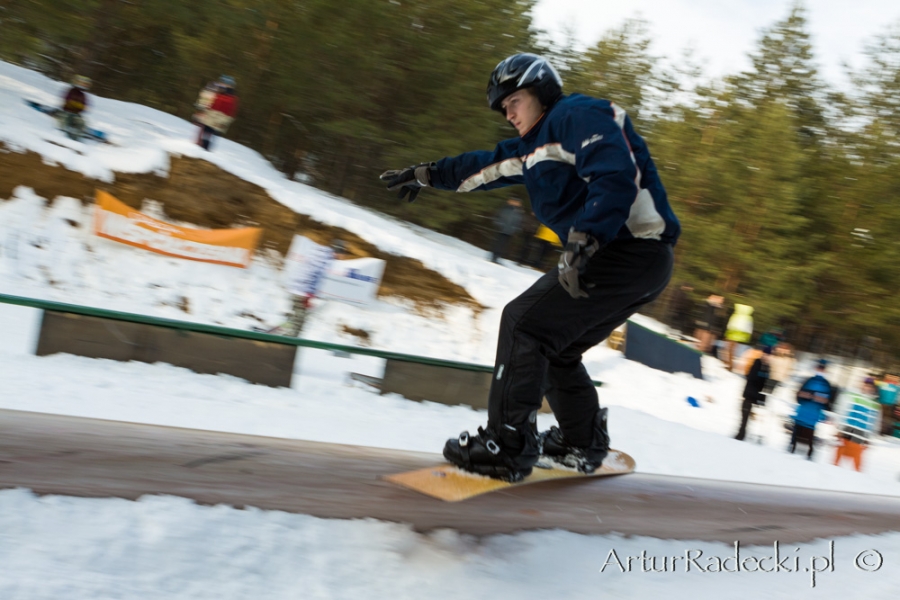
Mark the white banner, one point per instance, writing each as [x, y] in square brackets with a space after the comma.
[304, 266]
[310, 269]
[354, 281]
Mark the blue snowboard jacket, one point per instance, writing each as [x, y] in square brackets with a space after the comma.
[812, 400]
[583, 165]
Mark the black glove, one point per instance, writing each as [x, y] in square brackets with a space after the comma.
[409, 180]
[573, 261]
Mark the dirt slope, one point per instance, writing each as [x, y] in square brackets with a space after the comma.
[201, 193]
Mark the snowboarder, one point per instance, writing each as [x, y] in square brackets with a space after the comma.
[218, 107]
[75, 102]
[591, 180]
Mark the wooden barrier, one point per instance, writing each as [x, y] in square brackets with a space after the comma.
[267, 363]
[660, 352]
[437, 384]
[445, 385]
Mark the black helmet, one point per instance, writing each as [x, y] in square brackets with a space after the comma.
[523, 71]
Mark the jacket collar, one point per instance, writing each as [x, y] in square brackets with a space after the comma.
[531, 134]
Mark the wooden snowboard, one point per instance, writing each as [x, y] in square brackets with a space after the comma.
[452, 484]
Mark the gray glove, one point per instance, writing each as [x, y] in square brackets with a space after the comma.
[573, 261]
[409, 180]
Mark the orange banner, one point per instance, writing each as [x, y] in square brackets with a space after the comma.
[117, 221]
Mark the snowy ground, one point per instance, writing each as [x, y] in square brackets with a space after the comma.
[162, 547]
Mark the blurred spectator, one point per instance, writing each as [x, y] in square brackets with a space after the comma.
[738, 331]
[529, 228]
[859, 424]
[681, 308]
[217, 106]
[75, 102]
[308, 286]
[546, 240]
[771, 338]
[749, 356]
[782, 365]
[754, 394]
[709, 326]
[887, 397]
[813, 397]
[507, 223]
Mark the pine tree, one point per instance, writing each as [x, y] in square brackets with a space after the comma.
[619, 68]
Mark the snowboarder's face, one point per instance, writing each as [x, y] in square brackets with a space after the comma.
[522, 110]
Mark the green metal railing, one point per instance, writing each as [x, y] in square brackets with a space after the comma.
[235, 333]
[240, 333]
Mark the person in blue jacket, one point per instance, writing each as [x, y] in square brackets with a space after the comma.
[813, 398]
[591, 180]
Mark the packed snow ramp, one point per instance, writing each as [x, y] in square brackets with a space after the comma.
[53, 454]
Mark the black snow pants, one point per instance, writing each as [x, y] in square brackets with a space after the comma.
[805, 435]
[205, 137]
[544, 332]
[746, 410]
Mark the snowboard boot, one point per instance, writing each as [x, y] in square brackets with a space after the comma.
[508, 454]
[586, 460]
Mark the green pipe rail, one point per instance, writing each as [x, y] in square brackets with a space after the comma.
[239, 333]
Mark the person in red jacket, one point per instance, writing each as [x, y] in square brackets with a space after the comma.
[216, 118]
[75, 102]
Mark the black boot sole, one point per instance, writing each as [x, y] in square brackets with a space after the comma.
[571, 462]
